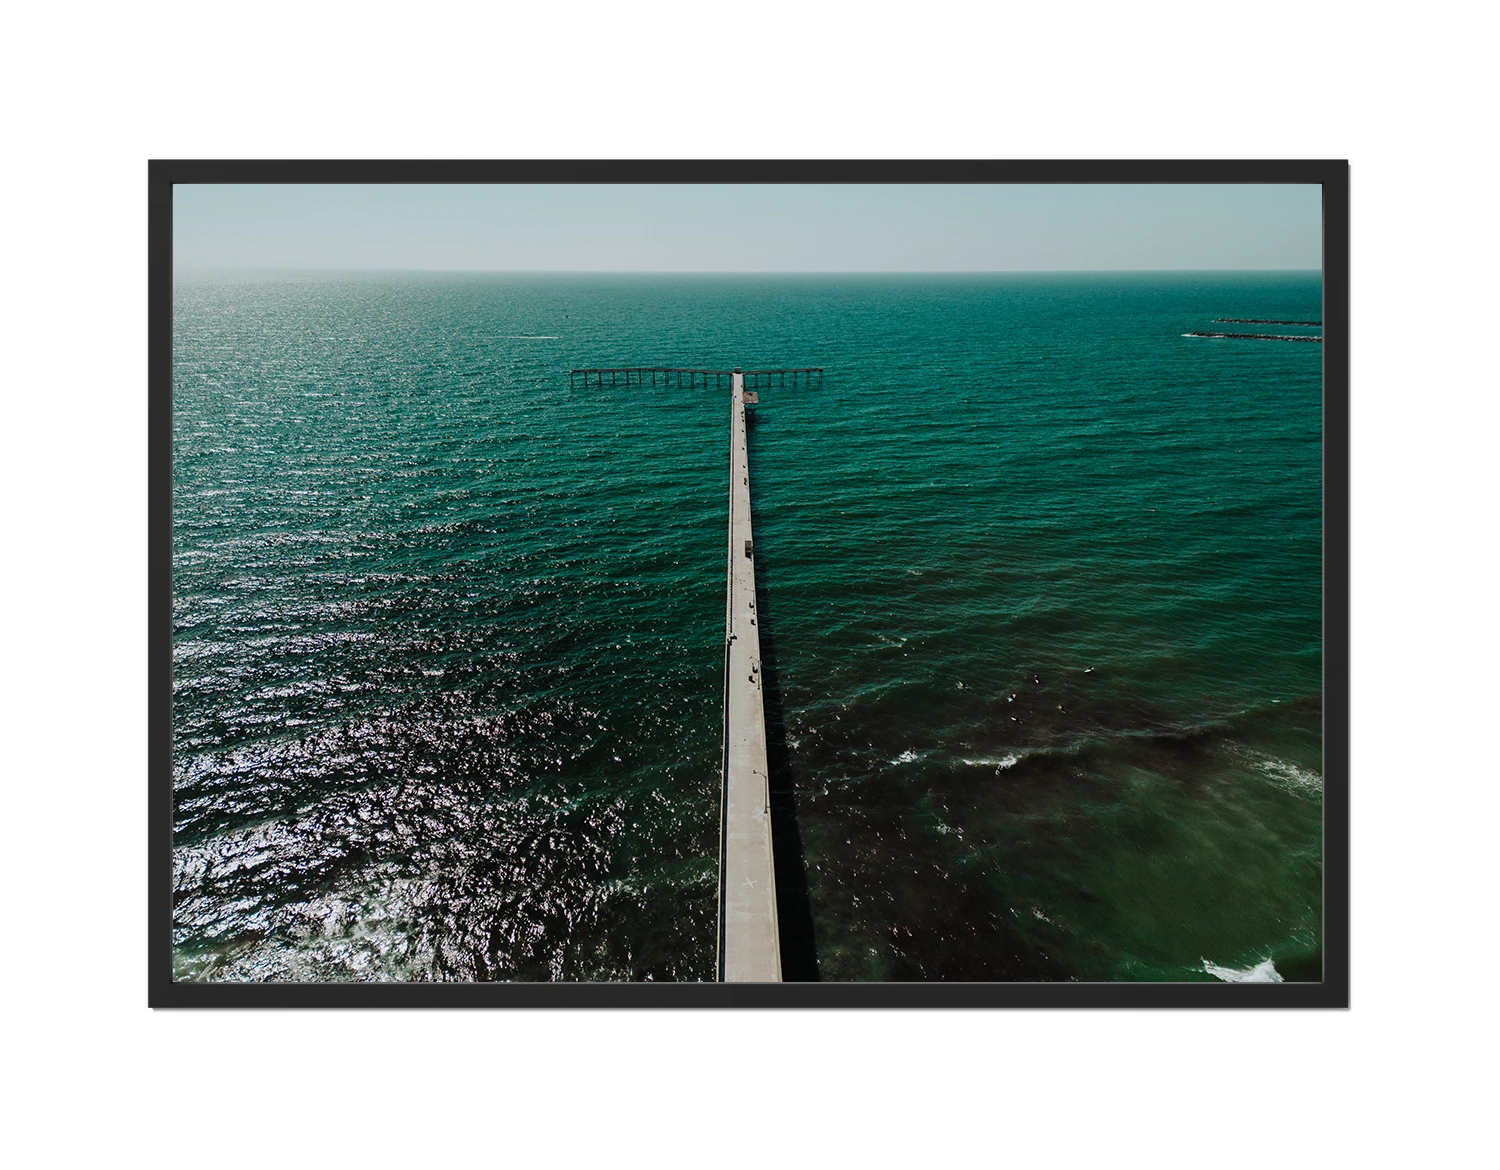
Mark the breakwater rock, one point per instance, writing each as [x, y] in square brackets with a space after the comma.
[1257, 336]
[1260, 321]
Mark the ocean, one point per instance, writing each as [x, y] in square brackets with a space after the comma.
[1039, 585]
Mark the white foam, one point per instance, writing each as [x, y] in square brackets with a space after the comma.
[1009, 760]
[1260, 973]
[905, 757]
[1289, 776]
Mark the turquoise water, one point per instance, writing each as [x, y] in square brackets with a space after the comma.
[1039, 584]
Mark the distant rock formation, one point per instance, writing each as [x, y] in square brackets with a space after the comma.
[1257, 336]
[1260, 321]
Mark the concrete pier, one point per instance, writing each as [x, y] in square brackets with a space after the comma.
[749, 947]
[666, 375]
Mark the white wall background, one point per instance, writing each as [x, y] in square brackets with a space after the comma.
[96, 1079]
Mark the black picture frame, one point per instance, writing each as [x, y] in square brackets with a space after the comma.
[1332, 992]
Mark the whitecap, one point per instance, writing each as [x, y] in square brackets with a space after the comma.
[1264, 972]
[1000, 763]
[1289, 776]
[905, 757]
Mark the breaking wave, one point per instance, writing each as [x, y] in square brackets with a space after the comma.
[1263, 972]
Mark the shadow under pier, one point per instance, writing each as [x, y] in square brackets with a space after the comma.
[799, 953]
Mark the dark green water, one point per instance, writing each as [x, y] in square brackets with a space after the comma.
[448, 633]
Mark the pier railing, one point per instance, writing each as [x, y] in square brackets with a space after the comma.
[664, 376]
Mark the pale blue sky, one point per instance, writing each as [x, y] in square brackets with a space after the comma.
[749, 228]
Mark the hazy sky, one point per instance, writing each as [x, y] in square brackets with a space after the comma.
[732, 228]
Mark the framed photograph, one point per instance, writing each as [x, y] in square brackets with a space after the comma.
[749, 584]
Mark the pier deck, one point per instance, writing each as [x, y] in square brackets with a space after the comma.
[749, 948]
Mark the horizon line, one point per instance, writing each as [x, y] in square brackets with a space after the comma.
[726, 271]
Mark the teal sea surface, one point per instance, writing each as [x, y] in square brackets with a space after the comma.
[1040, 593]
